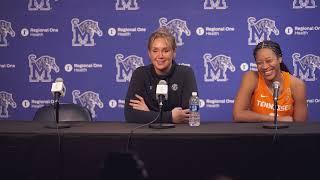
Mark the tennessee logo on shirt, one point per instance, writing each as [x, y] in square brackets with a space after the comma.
[268, 105]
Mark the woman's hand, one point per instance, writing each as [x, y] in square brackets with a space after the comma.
[180, 115]
[285, 118]
[138, 104]
[281, 118]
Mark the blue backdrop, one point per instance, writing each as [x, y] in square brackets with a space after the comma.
[94, 45]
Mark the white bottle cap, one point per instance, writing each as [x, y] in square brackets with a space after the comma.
[194, 93]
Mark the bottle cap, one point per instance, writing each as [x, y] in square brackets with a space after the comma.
[194, 93]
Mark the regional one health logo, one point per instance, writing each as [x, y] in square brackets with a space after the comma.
[42, 5]
[260, 30]
[215, 4]
[176, 27]
[83, 32]
[308, 4]
[216, 67]
[40, 68]
[126, 66]
[88, 99]
[5, 29]
[6, 100]
[305, 67]
[126, 4]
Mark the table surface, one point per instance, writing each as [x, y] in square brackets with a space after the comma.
[120, 128]
[31, 149]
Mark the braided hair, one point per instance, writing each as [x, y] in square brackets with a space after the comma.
[275, 47]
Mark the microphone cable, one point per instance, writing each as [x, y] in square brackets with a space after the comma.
[61, 160]
[60, 153]
[275, 138]
[132, 131]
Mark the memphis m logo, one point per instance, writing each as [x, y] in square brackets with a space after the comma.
[299, 4]
[42, 5]
[87, 99]
[83, 32]
[40, 68]
[126, 66]
[6, 100]
[127, 4]
[216, 67]
[5, 29]
[304, 67]
[260, 30]
[176, 27]
[215, 4]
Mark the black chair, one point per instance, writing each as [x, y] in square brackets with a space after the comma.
[67, 113]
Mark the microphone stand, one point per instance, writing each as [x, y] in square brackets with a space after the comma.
[275, 124]
[161, 112]
[57, 124]
[275, 118]
[161, 125]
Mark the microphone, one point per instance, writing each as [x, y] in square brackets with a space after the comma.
[161, 95]
[58, 89]
[275, 125]
[276, 88]
[162, 92]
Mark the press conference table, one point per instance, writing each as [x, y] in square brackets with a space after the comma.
[28, 150]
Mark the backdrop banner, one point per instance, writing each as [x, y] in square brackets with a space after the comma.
[94, 46]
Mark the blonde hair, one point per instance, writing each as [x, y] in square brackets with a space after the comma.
[163, 32]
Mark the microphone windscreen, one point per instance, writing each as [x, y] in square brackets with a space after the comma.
[162, 82]
[59, 79]
[276, 88]
[58, 87]
[162, 89]
[276, 84]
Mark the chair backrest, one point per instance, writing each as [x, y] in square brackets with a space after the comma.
[67, 113]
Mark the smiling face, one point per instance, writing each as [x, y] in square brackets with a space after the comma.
[161, 54]
[268, 64]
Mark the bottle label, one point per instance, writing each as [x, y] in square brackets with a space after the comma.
[194, 108]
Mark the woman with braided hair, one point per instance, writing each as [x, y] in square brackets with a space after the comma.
[254, 101]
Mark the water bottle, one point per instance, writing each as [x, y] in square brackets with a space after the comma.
[194, 104]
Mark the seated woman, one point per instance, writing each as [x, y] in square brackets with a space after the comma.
[254, 101]
[141, 104]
